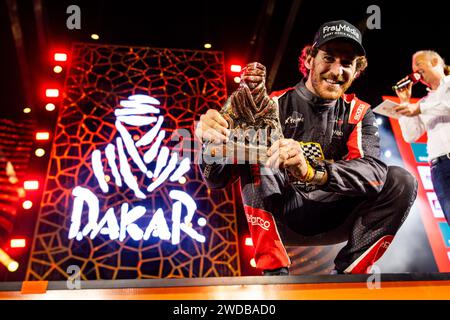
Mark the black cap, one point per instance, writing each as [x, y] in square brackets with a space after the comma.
[339, 29]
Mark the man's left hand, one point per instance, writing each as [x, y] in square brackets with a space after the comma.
[409, 110]
[287, 153]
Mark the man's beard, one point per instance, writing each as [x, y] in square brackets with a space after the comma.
[326, 90]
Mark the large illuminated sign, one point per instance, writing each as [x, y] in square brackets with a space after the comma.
[138, 110]
[122, 197]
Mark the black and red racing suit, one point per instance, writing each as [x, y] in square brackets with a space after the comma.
[363, 200]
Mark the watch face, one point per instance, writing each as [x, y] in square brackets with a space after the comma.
[317, 164]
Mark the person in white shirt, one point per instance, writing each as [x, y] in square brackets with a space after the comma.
[431, 114]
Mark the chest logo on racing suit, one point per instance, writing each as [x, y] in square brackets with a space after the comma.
[337, 131]
[294, 119]
[358, 110]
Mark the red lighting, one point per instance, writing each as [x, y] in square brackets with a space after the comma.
[31, 185]
[27, 204]
[235, 68]
[60, 57]
[57, 69]
[249, 242]
[39, 152]
[52, 93]
[50, 107]
[44, 135]
[18, 243]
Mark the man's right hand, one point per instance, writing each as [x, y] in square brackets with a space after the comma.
[405, 93]
[212, 127]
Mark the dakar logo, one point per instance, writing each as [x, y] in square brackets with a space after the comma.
[156, 165]
[258, 221]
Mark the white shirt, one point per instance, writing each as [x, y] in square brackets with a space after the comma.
[434, 119]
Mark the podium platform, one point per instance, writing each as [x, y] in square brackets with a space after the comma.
[322, 287]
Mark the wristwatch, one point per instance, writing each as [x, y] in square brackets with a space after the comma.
[318, 175]
[319, 170]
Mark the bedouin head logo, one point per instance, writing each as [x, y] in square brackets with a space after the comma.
[138, 110]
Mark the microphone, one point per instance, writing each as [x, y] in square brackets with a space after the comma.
[413, 77]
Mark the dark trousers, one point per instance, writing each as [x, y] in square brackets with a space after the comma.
[440, 176]
[278, 214]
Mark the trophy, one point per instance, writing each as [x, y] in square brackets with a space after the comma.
[253, 121]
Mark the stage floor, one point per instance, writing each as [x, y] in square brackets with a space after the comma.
[333, 287]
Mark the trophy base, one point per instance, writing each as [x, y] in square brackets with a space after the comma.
[237, 153]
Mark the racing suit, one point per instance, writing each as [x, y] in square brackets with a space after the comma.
[364, 202]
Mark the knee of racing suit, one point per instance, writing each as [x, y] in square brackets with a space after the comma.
[400, 186]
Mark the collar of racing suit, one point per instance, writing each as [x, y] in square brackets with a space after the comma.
[319, 103]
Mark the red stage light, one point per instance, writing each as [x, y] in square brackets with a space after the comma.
[18, 243]
[43, 135]
[60, 57]
[50, 107]
[39, 152]
[9, 263]
[57, 69]
[52, 93]
[249, 242]
[31, 185]
[235, 68]
[27, 204]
